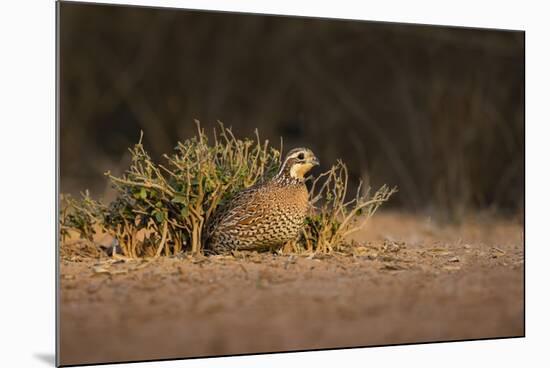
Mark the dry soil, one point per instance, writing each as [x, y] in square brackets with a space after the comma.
[405, 280]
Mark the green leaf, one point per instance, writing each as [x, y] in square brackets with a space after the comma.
[143, 193]
[184, 212]
[179, 199]
[159, 216]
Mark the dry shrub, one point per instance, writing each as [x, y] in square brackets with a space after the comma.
[80, 216]
[337, 217]
[163, 208]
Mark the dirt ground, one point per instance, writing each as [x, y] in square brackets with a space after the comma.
[405, 280]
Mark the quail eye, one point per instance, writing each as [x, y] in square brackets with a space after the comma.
[301, 156]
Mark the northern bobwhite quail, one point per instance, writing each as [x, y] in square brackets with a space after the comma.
[267, 214]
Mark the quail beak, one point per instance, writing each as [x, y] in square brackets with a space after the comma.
[314, 161]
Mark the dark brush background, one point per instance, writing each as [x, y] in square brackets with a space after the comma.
[436, 111]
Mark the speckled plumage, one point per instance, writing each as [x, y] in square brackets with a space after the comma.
[265, 215]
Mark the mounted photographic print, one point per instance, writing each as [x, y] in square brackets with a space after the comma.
[244, 183]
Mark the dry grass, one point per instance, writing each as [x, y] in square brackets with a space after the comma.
[164, 208]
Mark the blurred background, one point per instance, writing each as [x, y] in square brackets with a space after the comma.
[436, 111]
